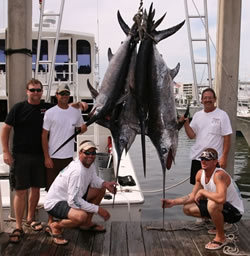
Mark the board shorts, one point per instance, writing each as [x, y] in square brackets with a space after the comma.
[230, 213]
[27, 171]
[61, 209]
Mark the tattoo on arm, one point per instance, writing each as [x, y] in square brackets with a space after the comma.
[220, 177]
[185, 199]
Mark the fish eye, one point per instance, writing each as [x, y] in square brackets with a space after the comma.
[164, 150]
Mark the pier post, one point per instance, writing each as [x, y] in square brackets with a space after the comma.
[227, 64]
[19, 65]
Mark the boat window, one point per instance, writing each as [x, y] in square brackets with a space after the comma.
[62, 61]
[83, 56]
[2, 55]
[43, 55]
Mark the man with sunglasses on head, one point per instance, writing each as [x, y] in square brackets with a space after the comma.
[215, 196]
[75, 195]
[59, 123]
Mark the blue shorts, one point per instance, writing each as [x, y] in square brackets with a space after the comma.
[230, 213]
[60, 210]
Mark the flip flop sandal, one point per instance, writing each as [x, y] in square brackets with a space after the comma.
[218, 246]
[34, 225]
[95, 228]
[55, 237]
[16, 233]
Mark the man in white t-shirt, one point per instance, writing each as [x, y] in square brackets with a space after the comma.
[59, 124]
[211, 128]
[75, 195]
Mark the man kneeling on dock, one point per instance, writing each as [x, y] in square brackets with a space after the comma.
[75, 195]
[214, 196]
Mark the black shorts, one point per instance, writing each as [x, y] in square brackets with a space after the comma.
[58, 165]
[27, 171]
[195, 167]
[230, 213]
[60, 210]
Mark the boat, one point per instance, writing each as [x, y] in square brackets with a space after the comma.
[75, 63]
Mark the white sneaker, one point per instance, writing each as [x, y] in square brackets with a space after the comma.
[227, 226]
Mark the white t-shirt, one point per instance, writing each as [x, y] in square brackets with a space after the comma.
[209, 129]
[71, 185]
[61, 124]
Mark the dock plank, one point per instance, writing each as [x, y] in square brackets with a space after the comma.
[118, 240]
[184, 239]
[124, 238]
[135, 240]
[84, 243]
[170, 245]
[151, 239]
[102, 242]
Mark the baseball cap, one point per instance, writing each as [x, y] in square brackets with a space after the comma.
[209, 155]
[87, 145]
[62, 88]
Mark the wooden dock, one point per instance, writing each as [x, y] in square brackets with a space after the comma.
[124, 238]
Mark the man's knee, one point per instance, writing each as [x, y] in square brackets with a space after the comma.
[21, 193]
[186, 209]
[213, 207]
[78, 216]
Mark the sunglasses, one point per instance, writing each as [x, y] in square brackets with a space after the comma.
[64, 93]
[88, 153]
[205, 159]
[35, 90]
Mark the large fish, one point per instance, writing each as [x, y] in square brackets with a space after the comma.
[142, 92]
[112, 86]
[122, 122]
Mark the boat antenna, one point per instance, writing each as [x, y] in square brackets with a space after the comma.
[97, 47]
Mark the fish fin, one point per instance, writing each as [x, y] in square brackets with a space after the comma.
[110, 54]
[160, 35]
[122, 23]
[158, 22]
[123, 98]
[93, 91]
[174, 71]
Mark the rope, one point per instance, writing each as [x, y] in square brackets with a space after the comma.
[21, 50]
[155, 191]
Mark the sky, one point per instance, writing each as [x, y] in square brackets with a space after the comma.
[99, 17]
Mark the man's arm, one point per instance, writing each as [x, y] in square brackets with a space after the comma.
[5, 136]
[168, 203]
[80, 105]
[45, 145]
[189, 131]
[222, 181]
[226, 148]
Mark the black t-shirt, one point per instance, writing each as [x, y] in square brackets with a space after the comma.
[27, 121]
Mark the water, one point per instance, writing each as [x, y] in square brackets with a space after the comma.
[151, 209]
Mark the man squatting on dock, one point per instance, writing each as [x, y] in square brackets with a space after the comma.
[211, 128]
[214, 196]
[26, 158]
[76, 193]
